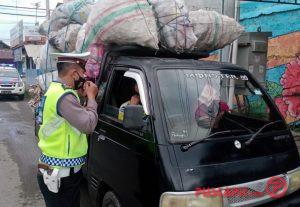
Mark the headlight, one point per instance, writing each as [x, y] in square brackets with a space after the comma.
[294, 180]
[20, 84]
[189, 200]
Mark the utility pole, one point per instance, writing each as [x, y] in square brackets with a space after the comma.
[37, 5]
[17, 10]
[221, 51]
[234, 54]
[228, 10]
[47, 10]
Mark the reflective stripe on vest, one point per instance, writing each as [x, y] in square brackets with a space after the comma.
[52, 126]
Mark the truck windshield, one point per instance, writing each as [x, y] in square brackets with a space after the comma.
[8, 74]
[198, 103]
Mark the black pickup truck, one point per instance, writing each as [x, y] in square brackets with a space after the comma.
[201, 134]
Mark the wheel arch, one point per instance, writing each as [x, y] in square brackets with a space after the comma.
[102, 189]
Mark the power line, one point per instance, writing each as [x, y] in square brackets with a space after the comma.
[14, 22]
[21, 7]
[18, 8]
[24, 15]
[22, 10]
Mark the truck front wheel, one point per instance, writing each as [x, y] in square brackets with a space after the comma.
[110, 200]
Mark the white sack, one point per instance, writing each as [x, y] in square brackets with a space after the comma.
[80, 38]
[75, 12]
[46, 78]
[176, 32]
[65, 39]
[121, 22]
[43, 28]
[46, 61]
[214, 30]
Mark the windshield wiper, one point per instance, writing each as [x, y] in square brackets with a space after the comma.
[249, 141]
[235, 122]
[186, 147]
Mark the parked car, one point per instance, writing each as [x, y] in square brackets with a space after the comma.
[183, 136]
[11, 82]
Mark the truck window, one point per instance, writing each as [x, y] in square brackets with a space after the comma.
[111, 104]
[122, 91]
[103, 84]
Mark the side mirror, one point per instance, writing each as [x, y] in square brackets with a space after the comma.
[133, 117]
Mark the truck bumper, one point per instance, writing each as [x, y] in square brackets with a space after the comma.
[12, 91]
[288, 201]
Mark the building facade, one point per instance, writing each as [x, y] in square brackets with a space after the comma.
[6, 56]
[283, 62]
[26, 43]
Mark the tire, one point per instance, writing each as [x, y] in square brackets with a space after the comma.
[21, 97]
[110, 200]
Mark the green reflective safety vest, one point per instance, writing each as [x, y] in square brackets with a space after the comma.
[61, 144]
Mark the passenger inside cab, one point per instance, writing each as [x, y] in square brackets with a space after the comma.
[210, 108]
[210, 116]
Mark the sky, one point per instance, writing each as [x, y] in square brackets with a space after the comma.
[7, 22]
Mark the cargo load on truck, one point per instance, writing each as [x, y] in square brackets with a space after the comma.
[147, 23]
[213, 30]
[79, 26]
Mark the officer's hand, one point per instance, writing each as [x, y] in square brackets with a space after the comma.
[81, 92]
[91, 89]
[135, 100]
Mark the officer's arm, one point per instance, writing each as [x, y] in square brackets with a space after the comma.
[82, 118]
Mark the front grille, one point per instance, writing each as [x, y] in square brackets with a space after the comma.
[253, 188]
[6, 89]
[6, 85]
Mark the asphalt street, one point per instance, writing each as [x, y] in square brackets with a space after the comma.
[19, 156]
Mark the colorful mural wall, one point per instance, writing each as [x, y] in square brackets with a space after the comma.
[283, 66]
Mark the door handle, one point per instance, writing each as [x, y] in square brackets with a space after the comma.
[101, 138]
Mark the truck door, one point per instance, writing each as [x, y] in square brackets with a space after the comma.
[123, 159]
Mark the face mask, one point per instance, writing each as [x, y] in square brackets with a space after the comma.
[79, 83]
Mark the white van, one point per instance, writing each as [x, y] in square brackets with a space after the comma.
[11, 82]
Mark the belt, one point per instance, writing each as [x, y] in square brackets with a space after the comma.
[63, 172]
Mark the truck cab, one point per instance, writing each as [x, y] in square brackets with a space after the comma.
[197, 126]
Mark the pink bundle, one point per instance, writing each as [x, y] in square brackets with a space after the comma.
[92, 66]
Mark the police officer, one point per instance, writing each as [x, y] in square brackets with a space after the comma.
[64, 124]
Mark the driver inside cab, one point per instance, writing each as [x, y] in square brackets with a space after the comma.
[134, 100]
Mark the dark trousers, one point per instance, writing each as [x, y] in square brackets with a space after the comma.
[68, 194]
